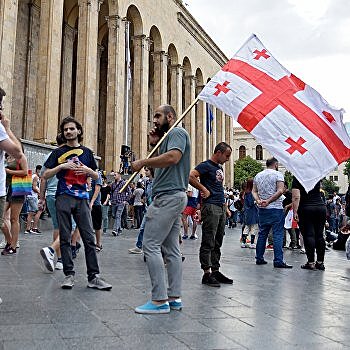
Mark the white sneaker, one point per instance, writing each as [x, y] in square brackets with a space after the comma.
[252, 246]
[243, 245]
[135, 250]
[48, 258]
[59, 265]
[17, 245]
[3, 244]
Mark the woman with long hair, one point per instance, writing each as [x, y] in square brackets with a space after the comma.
[14, 204]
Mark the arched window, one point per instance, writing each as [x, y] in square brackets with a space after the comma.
[259, 152]
[242, 152]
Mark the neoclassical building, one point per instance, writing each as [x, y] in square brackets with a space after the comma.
[109, 63]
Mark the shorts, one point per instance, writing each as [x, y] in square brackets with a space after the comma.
[12, 199]
[2, 209]
[32, 204]
[96, 215]
[190, 211]
[51, 206]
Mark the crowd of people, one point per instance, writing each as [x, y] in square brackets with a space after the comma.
[169, 195]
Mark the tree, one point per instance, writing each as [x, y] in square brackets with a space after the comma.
[288, 178]
[329, 187]
[244, 169]
[347, 169]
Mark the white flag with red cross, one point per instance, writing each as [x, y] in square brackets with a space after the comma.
[284, 114]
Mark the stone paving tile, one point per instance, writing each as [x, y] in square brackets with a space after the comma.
[265, 308]
[29, 332]
[208, 340]
[153, 342]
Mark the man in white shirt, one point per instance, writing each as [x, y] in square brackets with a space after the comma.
[267, 191]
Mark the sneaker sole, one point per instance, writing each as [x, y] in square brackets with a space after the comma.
[67, 286]
[99, 288]
[212, 285]
[152, 312]
[46, 261]
[176, 308]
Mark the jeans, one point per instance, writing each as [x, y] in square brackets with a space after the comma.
[271, 218]
[213, 231]
[66, 206]
[51, 206]
[117, 211]
[138, 215]
[162, 230]
[105, 222]
[232, 221]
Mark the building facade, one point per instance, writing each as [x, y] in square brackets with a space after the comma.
[109, 63]
[244, 144]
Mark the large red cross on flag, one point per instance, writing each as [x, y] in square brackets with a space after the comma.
[287, 116]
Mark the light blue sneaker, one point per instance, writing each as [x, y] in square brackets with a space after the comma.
[176, 304]
[150, 308]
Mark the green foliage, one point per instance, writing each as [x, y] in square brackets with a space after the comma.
[288, 178]
[329, 187]
[347, 169]
[244, 169]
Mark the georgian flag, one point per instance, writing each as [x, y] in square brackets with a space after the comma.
[288, 117]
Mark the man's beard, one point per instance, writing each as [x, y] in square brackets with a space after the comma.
[164, 127]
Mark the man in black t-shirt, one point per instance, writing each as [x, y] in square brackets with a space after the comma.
[72, 164]
[214, 210]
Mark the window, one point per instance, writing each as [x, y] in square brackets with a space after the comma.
[259, 152]
[335, 177]
[242, 152]
[331, 178]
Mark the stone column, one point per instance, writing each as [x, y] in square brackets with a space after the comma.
[160, 59]
[140, 96]
[32, 72]
[100, 50]
[201, 129]
[213, 134]
[219, 136]
[49, 70]
[114, 115]
[189, 120]
[176, 87]
[85, 101]
[69, 35]
[8, 25]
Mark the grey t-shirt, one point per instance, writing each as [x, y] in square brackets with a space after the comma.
[266, 183]
[175, 177]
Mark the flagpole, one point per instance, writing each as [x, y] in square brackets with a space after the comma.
[177, 122]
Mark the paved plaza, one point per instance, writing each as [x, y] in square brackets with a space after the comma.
[265, 308]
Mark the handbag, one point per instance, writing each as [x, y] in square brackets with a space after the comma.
[21, 185]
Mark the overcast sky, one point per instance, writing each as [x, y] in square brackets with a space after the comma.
[311, 38]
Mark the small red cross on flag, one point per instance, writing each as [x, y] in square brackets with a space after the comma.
[279, 109]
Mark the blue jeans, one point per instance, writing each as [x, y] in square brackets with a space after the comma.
[117, 211]
[140, 236]
[270, 219]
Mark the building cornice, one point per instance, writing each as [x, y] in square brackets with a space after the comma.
[198, 33]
